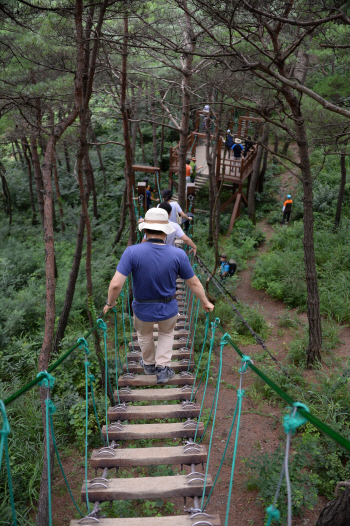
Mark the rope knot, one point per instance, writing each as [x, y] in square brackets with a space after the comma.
[122, 293]
[225, 340]
[51, 406]
[92, 378]
[83, 345]
[293, 421]
[273, 514]
[47, 380]
[240, 393]
[245, 361]
[102, 325]
[114, 309]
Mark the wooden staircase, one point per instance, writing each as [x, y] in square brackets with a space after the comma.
[124, 425]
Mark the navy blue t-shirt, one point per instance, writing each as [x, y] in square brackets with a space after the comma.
[154, 268]
[148, 198]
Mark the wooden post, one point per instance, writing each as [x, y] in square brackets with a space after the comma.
[190, 197]
[141, 195]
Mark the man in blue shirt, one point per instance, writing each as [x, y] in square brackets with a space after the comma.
[224, 266]
[155, 267]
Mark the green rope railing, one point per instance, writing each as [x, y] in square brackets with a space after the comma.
[4, 433]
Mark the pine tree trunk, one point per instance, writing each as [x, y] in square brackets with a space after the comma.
[37, 177]
[122, 216]
[66, 156]
[337, 511]
[142, 145]
[313, 300]
[129, 173]
[58, 195]
[154, 126]
[341, 190]
[44, 356]
[25, 145]
[190, 44]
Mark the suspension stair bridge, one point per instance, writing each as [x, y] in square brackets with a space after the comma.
[134, 388]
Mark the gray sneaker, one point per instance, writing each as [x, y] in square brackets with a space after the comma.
[164, 374]
[149, 369]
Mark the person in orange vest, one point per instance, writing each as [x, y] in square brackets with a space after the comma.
[287, 209]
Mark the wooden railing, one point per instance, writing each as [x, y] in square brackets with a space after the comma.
[237, 170]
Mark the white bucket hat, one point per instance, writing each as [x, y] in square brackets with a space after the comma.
[228, 131]
[238, 141]
[157, 219]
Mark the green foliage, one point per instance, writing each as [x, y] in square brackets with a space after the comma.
[264, 472]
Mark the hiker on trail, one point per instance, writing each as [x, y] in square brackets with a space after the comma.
[178, 232]
[188, 171]
[224, 266]
[194, 168]
[229, 143]
[149, 197]
[287, 209]
[227, 268]
[176, 208]
[237, 149]
[248, 145]
[155, 267]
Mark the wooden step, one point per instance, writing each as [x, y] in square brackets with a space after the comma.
[177, 335]
[177, 366]
[179, 520]
[152, 412]
[154, 395]
[146, 488]
[148, 456]
[177, 355]
[177, 344]
[151, 431]
[143, 381]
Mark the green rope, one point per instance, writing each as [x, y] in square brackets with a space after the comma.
[194, 328]
[124, 332]
[52, 410]
[240, 394]
[190, 322]
[47, 381]
[51, 368]
[84, 346]
[4, 433]
[130, 322]
[216, 398]
[116, 351]
[198, 363]
[116, 343]
[213, 328]
[92, 379]
[334, 435]
[103, 326]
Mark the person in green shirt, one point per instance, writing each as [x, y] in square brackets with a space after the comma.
[194, 168]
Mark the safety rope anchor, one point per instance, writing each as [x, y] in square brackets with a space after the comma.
[189, 423]
[120, 407]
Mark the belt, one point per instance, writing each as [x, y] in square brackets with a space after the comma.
[157, 300]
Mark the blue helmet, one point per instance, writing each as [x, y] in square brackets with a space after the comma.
[289, 196]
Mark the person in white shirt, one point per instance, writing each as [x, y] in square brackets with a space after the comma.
[178, 232]
[175, 207]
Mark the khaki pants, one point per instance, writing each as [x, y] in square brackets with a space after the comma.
[160, 356]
